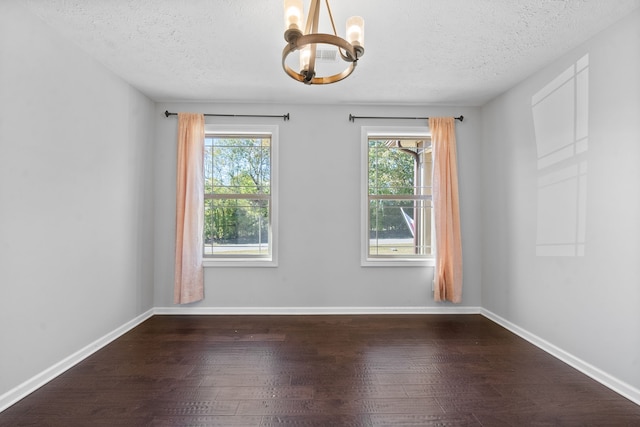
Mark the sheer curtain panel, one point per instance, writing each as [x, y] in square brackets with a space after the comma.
[448, 268]
[189, 273]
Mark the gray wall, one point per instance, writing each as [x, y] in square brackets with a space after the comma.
[319, 266]
[586, 303]
[76, 192]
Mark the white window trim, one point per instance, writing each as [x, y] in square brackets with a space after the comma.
[367, 132]
[272, 130]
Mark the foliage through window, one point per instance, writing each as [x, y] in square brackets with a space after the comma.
[398, 197]
[238, 208]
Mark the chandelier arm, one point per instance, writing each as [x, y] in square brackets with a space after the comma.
[314, 30]
[314, 11]
[335, 33]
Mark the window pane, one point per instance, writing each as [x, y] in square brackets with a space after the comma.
[236, 227]
[237, 171]
[399, 197]
[237, 165]
[391, 170]
[399, 228]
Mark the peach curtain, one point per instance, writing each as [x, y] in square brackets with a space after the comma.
[448, 269]
[189, 274]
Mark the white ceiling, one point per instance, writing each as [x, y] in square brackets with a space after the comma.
[418, 52]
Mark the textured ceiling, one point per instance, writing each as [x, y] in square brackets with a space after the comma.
[453, 52]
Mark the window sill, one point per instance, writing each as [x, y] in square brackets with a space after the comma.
[399, 262]
[239, 263]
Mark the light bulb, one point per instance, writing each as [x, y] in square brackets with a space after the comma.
[292, 14]
[355, 31]
[305, 57]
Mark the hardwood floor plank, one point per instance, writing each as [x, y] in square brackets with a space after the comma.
[451, 390]
[361, 420]
[409, 405]
[478, 404]
[592, 414]
[373, 391]
[410, 420]
[187, 393]
[175, 406]
[246, 380]
[206, 421]
[258, 393]
[329, 377]
[282, 407]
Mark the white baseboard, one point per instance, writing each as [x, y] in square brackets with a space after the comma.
[620, 387]
[29, 386]
[313, 310]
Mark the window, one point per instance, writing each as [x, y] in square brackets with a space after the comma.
[396, 202]
[240, 220]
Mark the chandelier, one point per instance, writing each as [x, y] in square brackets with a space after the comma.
[350, 50]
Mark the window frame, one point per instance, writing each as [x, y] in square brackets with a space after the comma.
[252, 130]
[389, 132]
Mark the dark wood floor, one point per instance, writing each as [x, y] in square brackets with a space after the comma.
[454, 370]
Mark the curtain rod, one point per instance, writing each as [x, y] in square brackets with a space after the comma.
[353, 118]
[284, 116]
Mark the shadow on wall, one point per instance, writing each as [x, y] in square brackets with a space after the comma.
[561, 122]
